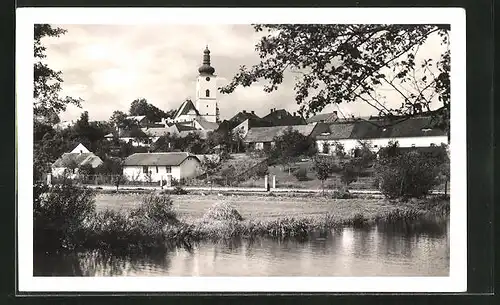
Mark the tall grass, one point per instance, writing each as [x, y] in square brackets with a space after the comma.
[66, 219]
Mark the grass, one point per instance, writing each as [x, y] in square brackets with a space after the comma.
[217, 217]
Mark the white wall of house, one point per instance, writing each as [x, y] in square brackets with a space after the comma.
[191, 167]
[376, 144]
[243, 126]
[187, 169]
[158, 172]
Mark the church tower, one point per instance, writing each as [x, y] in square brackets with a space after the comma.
[206, 90]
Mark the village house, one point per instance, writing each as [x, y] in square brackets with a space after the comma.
[260, 138]
[153, 167]
[69, 163]
[412, 132]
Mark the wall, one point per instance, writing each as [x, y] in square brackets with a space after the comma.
[243, 126]
[190, 168]
[134, 173]
[206, 106]
[350, 144]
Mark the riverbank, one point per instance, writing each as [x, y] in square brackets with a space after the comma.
[212, 217]
[126, 223]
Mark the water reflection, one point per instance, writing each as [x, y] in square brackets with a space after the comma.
[377, 251]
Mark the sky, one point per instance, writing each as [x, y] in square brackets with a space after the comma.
[108, 66]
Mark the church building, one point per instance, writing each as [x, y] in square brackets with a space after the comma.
[204, 107]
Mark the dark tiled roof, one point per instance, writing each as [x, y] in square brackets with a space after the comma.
[282, 117]
[68, 159]
[335, 131]
[168, 158]
[377, 128]
[185, 107]
[325, 117]
[416, 127]
[267, 134]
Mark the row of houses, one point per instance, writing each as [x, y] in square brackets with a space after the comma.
[408, 132]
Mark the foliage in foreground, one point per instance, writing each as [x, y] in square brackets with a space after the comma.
[66, 219]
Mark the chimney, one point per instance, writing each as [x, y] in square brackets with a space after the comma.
[253, 112]
[335, 112]
[244, 111]
[271, 110]
[294, 114]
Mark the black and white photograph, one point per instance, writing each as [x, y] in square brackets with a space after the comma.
[242, 150]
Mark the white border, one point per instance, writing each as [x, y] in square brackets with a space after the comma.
[27, 17]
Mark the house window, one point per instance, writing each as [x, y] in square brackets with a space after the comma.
[168, 169]
[144, 169]
[207, 93]
[157, 169]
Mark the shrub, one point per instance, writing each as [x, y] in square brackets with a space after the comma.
[301, 174]
[407, 175]
[222, 211]
[342, 194]
[157, 207]
[60, 213]
[262, 170]
[178, 190]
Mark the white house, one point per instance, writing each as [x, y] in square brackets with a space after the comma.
[69, 163]
[414, 132]
[152, 167]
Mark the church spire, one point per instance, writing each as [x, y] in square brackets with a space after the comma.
[206, 68]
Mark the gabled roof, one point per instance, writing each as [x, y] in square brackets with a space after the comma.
[325, 118]
[206, 125]
[78, 159]
[184, 109]
[80, 148]
[267, 134]
[164, 158]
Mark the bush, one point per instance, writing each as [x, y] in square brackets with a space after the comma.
[407, 175]
[301, 174]
[60, 213]
[157, 207]
[222, 211]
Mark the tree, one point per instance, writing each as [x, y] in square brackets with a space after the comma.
[210, 165]
[291, 145]
[341, 63]
[47, 82]
[141, 106]
[119, 119]
[323, 167]
[339, 150]
[409, 174]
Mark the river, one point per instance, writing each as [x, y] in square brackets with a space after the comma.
[378, 251]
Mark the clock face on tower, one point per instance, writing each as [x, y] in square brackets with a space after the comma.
[207, 79]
